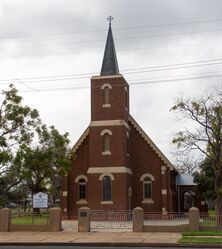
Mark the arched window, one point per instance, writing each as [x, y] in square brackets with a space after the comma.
[106, 143]
[147, 188]
[106, 188]
[106, 94]
[82, 189]
[106, 133]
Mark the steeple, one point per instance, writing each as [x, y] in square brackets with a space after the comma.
[110, 64]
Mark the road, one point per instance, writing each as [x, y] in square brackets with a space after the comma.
[87, 247]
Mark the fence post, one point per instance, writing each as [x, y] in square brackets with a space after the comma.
[54, 219]
[83, 219]
[194, 219]
[138, 219]
[5, 219]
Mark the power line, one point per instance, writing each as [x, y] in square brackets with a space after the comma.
[123, 38]
[158, 81]
[183, 65]
[121, 28]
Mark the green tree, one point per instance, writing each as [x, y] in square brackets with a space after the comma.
[41, 163]
[16, 126]
[205, 180]
[206, 137]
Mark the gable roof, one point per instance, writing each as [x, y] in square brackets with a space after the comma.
[150, 142]
[80, 141]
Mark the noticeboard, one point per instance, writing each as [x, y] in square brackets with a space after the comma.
[40, 200]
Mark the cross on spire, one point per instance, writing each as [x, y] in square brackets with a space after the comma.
[109, 18]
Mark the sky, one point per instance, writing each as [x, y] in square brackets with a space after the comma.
[49, 49]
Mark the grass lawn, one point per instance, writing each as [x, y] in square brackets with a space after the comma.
[201, 237]
[40, 219]
[200, 240]
[202, 233]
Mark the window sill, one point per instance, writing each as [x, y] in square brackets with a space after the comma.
[81, 202]
[106, 105]
[148, 201]
[106, 153]
[106, 202]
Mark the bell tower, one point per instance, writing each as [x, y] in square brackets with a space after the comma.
[109, 129]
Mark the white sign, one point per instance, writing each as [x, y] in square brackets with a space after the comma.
[40, 200]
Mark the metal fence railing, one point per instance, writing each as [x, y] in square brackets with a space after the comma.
[109, 220]
[162, 219]
[29, 218]
[165, 217]
[210, 219]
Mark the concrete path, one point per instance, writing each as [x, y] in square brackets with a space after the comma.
[92, 238]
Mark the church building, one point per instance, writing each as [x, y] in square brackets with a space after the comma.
[115, 164]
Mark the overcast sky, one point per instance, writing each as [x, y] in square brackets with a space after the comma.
[173, 47]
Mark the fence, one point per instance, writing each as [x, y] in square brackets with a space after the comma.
[211, 220]
[110, 220]
[166, 218]
[47, 221]
[30, 218]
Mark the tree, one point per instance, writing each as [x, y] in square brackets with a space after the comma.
[206, 138]
[205, 180]
[42, 163]
[16, 126]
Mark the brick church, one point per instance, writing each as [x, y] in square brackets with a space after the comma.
[116, 166]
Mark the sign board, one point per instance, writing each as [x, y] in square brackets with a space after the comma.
[40, 200]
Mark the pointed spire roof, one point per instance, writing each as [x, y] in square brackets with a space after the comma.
[110, 64]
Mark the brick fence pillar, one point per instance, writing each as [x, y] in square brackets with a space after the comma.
[5, 219]
[54, 219]
[194, 219]
[138, 218]
[84, 219]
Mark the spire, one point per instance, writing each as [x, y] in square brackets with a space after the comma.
[110, 64]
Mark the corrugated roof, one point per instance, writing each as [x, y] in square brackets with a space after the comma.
[184, 180]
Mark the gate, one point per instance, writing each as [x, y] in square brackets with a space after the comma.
[101, 220]
[71, 224]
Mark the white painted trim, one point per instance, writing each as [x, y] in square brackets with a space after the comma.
[107, 174]
[146, 201]
[150, 142]
[164, 192]
[106, 202]
[108, 123]
[106, 85]
[103, 132]
[106, 77]
[64, 193]
[147, 175]
[80, 141]
[81, 202]
[106, 105]
[101, 170]
[81, 177]
[105, 153]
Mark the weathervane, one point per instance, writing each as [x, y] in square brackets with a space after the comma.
[109, 18]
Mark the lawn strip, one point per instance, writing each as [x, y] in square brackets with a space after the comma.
[200, 240]
[202, 233]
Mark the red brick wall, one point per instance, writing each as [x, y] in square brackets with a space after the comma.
[117, 99]
[145, 160]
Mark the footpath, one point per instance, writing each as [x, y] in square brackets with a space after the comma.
[91, 238]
